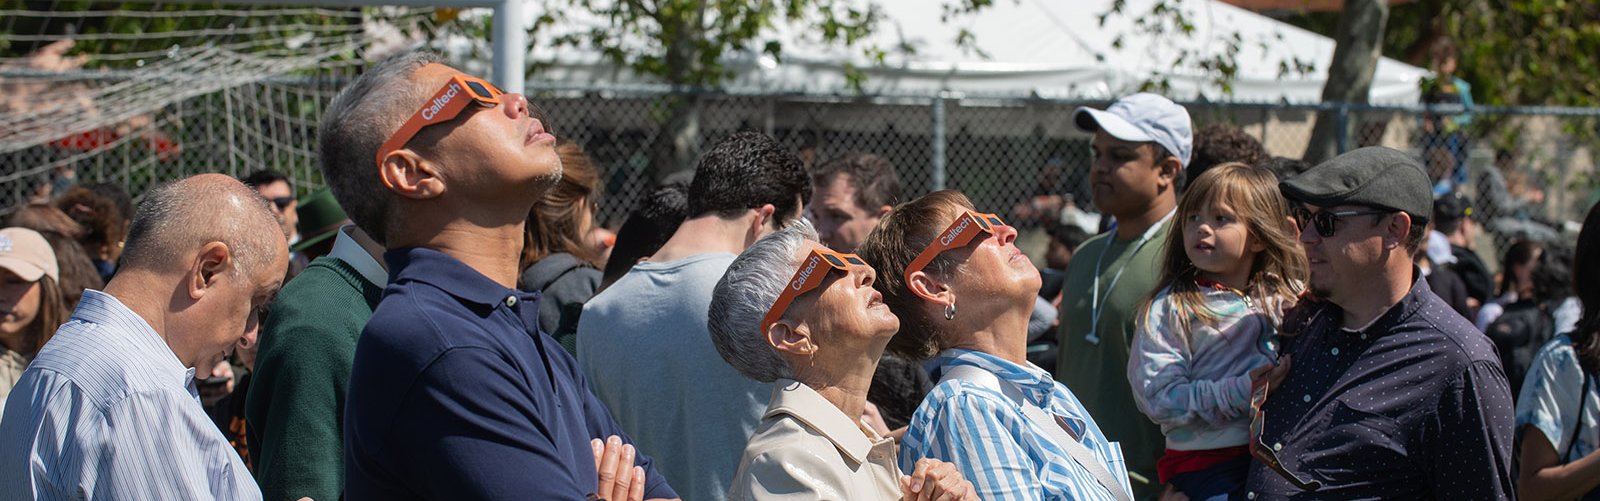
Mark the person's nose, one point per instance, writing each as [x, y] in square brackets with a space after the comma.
[1007, 234]
[1308, 232]
[516, 105]
[866, 275]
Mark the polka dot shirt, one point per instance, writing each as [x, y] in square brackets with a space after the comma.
[1413, 406]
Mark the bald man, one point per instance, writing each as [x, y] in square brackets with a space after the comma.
[109, 409]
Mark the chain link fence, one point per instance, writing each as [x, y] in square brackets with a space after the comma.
[1002, 152]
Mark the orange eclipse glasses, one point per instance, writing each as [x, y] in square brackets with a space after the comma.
[457, 93]
[959, 234]
[808, 278]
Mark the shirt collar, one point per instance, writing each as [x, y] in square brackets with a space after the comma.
[420, 264]
[105, 310]
[1396, 314]
[1037, 385]
[807, 406]
[348, 247]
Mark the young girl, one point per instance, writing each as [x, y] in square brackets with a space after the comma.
[1208, 331]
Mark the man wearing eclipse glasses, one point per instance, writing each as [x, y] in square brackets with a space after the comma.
[454, 393]
[1393, 395]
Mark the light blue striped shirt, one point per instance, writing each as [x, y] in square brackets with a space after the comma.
[107, 411]
[1005, 455]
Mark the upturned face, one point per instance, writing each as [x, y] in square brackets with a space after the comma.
[490, 151]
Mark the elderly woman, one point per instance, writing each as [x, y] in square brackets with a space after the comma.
[963, 292]
[792, 312]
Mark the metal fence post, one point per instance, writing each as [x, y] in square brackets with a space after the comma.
[938, 142]
[1344, 127]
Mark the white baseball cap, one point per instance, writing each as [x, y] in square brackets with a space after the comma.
[26, 253]
[1142, 118]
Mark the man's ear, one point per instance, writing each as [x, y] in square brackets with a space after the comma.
[762, 223]
[1398, 232]
[788, 336]
[884, 211]
[210, 265]
[1168, 169]
[410, 176]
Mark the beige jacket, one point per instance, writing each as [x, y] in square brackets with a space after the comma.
[806, 449]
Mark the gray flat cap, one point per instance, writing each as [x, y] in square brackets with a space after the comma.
[1374, 176]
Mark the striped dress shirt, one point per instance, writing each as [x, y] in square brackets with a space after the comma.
[107, 411]
[1006, 455]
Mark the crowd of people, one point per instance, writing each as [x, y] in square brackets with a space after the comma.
[446, 321]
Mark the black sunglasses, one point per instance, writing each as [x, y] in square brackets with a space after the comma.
[282, 202]
[1324, 221]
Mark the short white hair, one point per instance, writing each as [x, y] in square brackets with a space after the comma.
[745, 293]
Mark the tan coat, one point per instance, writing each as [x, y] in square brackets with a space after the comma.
[806, 449]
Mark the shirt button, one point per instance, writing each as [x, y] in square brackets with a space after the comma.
[1363, 336]
[1277, 447]
[1251, 495]
[1335, 351]
[1305, 398]
[511, 300]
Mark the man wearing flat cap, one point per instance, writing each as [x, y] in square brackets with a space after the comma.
[1391, 394]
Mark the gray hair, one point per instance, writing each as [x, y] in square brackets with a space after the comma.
[745, 293]
[179, 217]
[355, 125]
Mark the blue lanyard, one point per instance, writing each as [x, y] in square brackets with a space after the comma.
[1095, 308]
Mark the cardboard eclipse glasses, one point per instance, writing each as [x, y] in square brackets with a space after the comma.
[960, 233]
[808, 278]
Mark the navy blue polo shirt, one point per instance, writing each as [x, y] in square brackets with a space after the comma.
[1414, 406]
[455, 394]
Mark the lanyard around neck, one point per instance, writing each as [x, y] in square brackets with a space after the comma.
[1095, 307]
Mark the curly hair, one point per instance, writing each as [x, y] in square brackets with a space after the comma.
[105, 225]
[1220, 143]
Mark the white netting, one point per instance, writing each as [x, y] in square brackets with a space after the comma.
[139, 93]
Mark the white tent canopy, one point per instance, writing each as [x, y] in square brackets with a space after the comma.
[1055, 49]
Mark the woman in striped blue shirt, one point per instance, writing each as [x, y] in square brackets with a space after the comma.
[963, 293]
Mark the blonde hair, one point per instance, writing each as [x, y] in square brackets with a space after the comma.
[1279, 271]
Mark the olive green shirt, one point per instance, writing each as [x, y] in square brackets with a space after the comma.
[1098, 372]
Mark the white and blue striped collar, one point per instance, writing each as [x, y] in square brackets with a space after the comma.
[1036, 385]
[103, 309]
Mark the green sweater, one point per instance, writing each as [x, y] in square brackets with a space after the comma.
[295, 409]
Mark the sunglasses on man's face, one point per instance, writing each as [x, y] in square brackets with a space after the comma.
[808, 278]
[455, 96]
[282, 202]
[1326, 221]
[1260, 450]
[960, 233]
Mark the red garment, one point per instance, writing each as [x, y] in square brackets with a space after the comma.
[1174, 462]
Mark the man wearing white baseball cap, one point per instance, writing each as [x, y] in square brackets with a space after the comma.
[1141, 146]
[30, 301]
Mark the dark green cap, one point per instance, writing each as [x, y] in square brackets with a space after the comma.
[1374, 176]
[320, 219]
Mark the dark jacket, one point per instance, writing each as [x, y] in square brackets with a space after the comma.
[565, 283]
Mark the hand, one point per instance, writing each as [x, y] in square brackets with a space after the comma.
[871, 418]
[210, 394]
[1172, 494]
[1273, 374]
[619, 478]
[936, 480]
